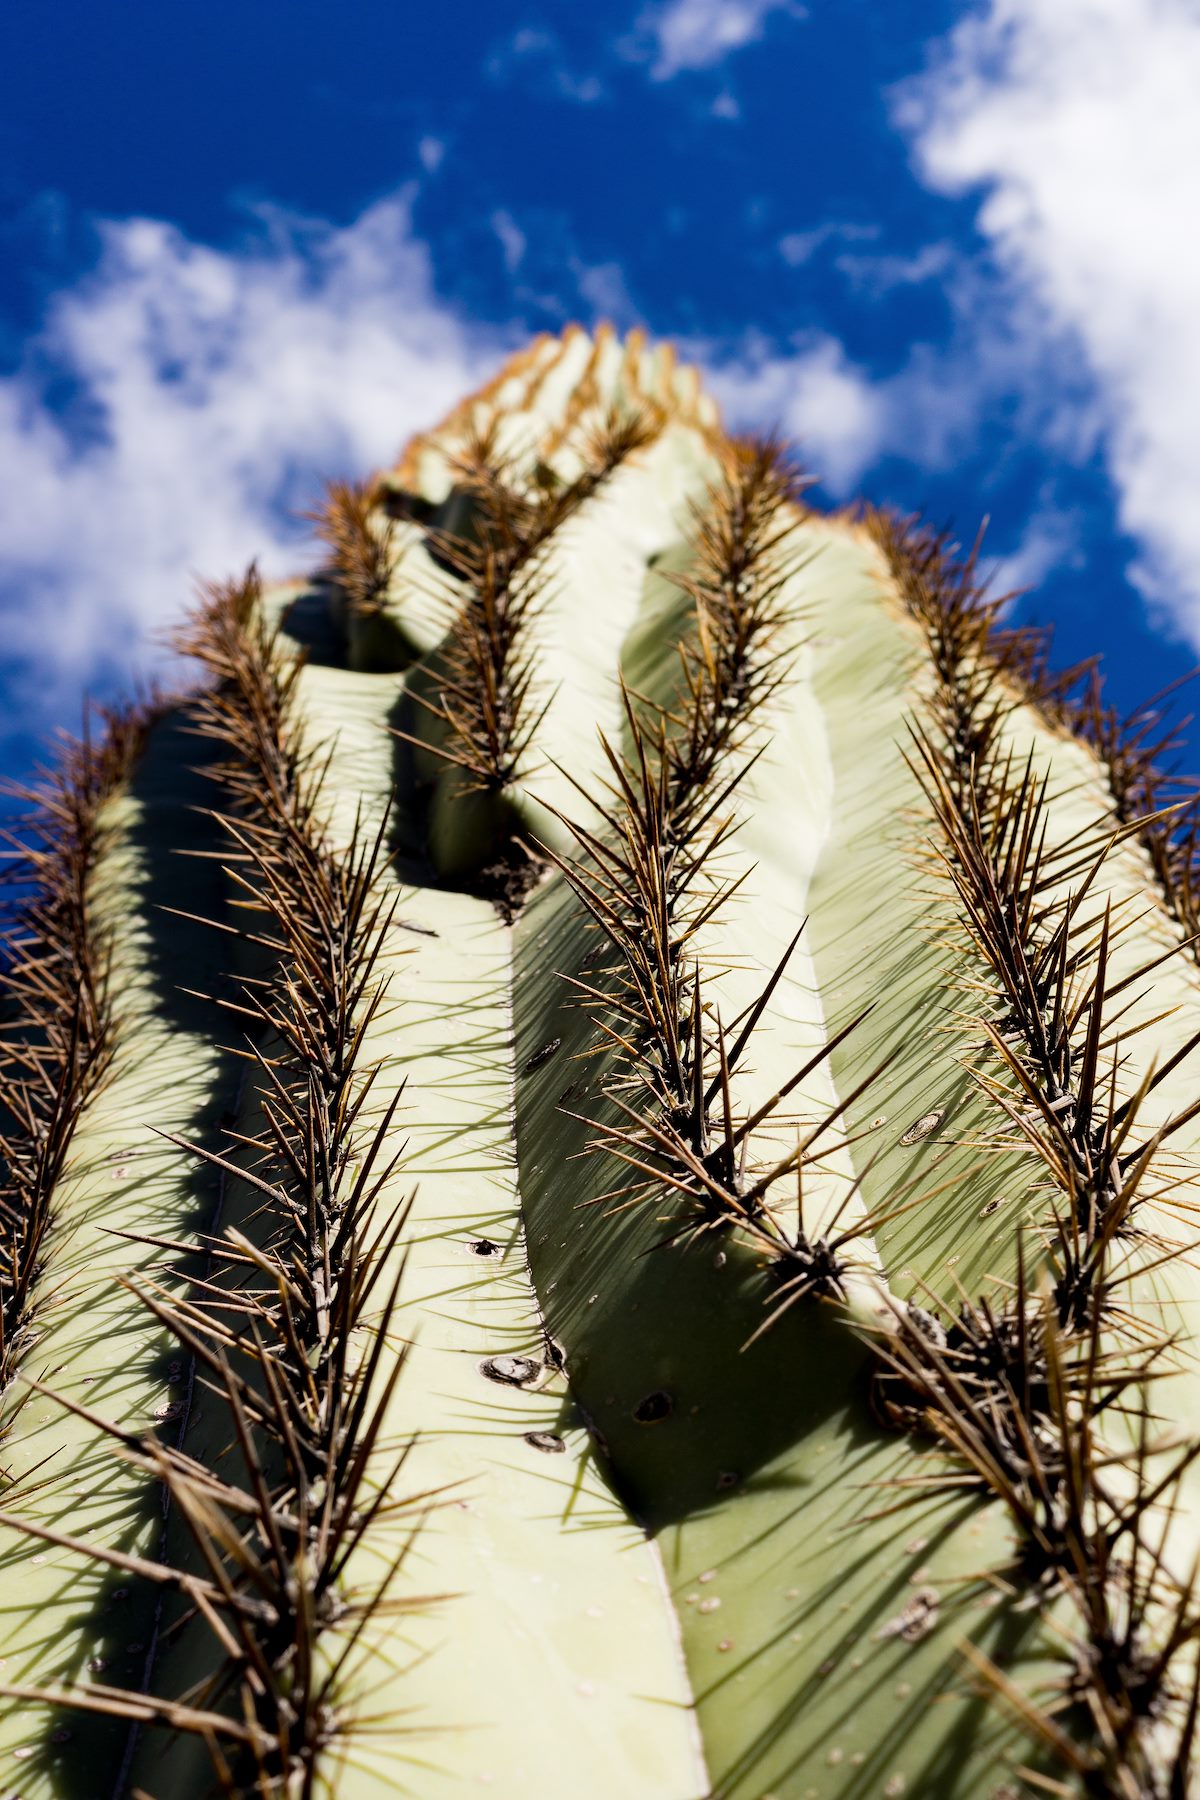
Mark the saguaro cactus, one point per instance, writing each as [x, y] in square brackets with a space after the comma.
[600, 1159]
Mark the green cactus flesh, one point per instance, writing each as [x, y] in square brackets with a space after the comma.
[599, 1150]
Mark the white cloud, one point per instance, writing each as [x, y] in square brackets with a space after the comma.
[1078, 119]
[212, 391]
[432, 152]
[695, 34]
[930, 411]
[817, 398]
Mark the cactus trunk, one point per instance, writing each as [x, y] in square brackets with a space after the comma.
[600, 1155]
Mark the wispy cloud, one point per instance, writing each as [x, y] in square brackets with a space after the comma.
[513, 242]
[879, 274]
[697, 34]
[535, 54]
[1077, 121]
[212, 389]
[799, 247]
[605, 294]
[210, 392]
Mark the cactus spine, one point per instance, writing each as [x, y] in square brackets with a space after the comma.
[623, 1222]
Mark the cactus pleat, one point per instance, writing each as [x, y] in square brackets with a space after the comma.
[1103, 1113]
[690, 1415]
[304, 1271]
[58, 1022]
[691, 1292]
[66, 1619]
[561, 1617]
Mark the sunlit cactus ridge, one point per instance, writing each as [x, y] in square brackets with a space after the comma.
[599, 1155]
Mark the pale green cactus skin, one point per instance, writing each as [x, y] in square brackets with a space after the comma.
[744, 1591]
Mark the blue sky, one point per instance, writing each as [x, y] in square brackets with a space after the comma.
[950, 248]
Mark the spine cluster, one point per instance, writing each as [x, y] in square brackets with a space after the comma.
[1161, 807]
[1136, 752]
[56, 1034]
[361, 539]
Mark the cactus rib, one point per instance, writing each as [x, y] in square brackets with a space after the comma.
[751, 1475]
[1160, 806]
[483, 692]
[666, 828]
[558, 1626]
[1024, 1418]
[275, 1325]
[1022, 900]
[309, 1410]
[480, 712]
[57, 1036]
[97, 1346]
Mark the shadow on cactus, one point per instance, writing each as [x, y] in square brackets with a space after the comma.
[653, 1252]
